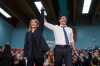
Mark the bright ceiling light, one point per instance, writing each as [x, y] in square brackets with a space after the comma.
[39, 6]
[4, 13]
[87, 2]
[86, 6]
[85, 10]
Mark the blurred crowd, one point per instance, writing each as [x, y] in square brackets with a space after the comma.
[10, 57]
[86, 57]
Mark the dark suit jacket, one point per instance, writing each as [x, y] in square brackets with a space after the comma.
[41, 45]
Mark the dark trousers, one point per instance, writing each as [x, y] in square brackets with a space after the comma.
[63, 54]
[38, 62]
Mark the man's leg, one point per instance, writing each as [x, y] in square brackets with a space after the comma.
[68, 57]
[58, 56]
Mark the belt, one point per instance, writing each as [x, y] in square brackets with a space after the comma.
[62, 45]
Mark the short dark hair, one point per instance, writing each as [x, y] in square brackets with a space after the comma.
[62, 15]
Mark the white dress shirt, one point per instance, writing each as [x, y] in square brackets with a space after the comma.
[59, 34]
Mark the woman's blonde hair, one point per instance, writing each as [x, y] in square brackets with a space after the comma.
[35, 20]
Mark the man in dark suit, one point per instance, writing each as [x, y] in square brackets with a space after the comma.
[35, 45]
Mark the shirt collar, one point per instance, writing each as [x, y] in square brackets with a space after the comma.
[63, 25]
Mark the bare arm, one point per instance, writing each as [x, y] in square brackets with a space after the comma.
[72, 43]
[73, 47]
